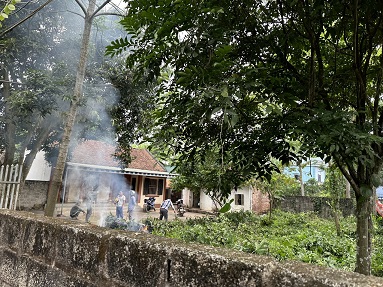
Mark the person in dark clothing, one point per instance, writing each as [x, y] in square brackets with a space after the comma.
[75, 211]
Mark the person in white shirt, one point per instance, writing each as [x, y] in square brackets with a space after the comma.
[164, 209]
[120, 201]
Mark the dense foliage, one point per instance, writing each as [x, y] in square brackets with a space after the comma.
[303, 237]
[247, 77]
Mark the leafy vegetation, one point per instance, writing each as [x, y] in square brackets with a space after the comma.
[248, 77]
[304, 237]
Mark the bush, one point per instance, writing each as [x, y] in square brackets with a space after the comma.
[304, 237]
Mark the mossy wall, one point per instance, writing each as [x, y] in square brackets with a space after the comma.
[44, 252]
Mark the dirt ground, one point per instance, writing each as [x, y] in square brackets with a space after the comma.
[101, 211]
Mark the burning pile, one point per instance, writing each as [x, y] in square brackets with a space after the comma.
[121, 224]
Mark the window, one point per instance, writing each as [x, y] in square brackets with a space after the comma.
[153, 186]
[319, 177]
[296, 176]
[239, 199]
[134, 183]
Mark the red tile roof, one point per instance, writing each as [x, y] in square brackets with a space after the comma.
[99, 153]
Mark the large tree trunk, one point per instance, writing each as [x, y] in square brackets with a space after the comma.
[363, 233]
[56, 179]
[360, 182]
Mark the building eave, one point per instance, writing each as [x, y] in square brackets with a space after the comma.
[110, 169]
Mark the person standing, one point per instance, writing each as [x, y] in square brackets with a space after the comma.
[132, 204]
[120, 201]
[164, 209]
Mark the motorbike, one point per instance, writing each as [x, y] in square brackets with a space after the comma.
[180, 207]
[149, 204]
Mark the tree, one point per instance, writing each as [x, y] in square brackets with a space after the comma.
[270, 71]
[129, 114]
[209, 175]
[90, 13]
[37, 85]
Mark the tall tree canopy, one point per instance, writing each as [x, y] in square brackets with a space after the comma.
[34, 82]
[247, 76]
[38, 61]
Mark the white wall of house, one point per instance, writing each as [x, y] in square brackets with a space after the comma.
[206, 203]
[187, 197]
[243, 198]
[40, 169]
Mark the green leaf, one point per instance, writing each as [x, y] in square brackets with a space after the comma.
[11, 7]
[224, 92]
[375, 180]
[234, 120]
[226, 207]
[366, 191]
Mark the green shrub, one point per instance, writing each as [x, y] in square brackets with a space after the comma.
[304, 237]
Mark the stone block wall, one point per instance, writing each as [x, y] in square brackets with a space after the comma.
[37, 251]
[33, 195]
[319, 205]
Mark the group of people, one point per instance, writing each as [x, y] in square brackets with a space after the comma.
[121, 199]
[120, 202]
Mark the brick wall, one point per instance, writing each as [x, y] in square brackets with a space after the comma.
[261, 203]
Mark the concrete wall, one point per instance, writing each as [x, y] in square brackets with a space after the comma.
[40, 251]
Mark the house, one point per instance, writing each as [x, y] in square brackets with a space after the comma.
[246, 198]
[249, 198]
[93, 171]
[312, 169]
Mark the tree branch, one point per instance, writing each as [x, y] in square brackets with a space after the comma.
[25, 19]
[81, 6]
[99, 8]
[108, 14]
